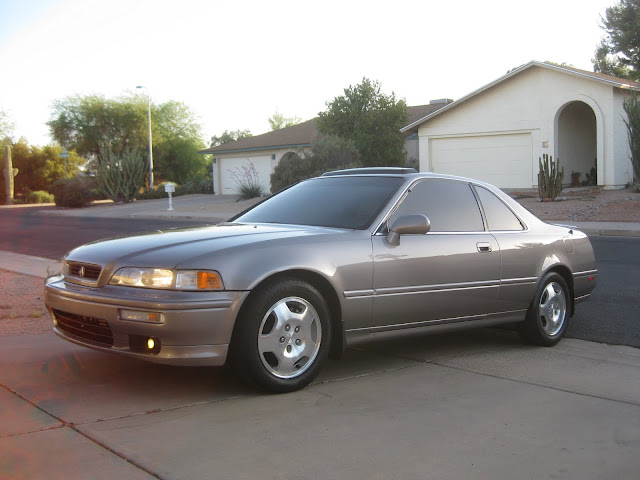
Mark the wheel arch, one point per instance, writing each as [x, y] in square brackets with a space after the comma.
[566, 274]
[337, 340]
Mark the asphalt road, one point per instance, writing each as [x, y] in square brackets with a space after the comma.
[27, 231]
[611, 316]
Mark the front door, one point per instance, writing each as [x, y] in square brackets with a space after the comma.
[451, 273]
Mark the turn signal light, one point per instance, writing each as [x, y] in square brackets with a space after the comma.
[209, 281]
[140, 316]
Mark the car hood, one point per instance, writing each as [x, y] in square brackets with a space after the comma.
[170, 248]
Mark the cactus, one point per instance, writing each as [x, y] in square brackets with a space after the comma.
[549, 178]
[121, 178]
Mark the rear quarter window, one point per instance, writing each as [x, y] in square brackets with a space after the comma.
[498, 215]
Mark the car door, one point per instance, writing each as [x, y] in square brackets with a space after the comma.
[450, 274]
[521, 252]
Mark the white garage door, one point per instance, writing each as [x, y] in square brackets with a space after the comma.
[502, 160]
[234, 170]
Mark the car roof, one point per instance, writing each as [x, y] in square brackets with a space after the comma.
[409, 173]
[371, 171]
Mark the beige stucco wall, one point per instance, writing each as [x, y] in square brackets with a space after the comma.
[530, 102]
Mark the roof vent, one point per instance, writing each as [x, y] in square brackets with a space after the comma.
[446, 101]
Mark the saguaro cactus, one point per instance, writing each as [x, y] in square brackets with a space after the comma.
[550, 177]
[9, 174]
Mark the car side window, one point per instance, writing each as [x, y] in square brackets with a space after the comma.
[499, 216]
[450, 205]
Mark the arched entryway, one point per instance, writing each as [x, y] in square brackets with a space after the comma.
[577, 144]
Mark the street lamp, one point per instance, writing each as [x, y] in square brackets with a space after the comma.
[150, 143]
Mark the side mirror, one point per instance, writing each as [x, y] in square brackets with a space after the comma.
[408, 224]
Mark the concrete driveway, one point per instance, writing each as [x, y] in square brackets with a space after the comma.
[477, 404]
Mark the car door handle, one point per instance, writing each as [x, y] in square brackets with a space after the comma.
[483, 247]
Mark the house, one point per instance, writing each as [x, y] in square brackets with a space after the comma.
[498, 132]
[263, 152]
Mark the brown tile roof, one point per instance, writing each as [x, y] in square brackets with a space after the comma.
[420, 111]
[303, 134]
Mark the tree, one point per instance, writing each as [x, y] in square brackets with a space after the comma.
[229, 136]
[371, 120]
[278, 121]
[632, 109]
[177, 142]
[39, 167]
[87, 123]
[619, 51]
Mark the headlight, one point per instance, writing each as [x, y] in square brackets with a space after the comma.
[163, 278]
[143, 277]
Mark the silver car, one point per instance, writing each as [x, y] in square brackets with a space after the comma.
[296, 278]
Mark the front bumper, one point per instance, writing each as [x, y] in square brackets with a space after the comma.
[196, 328]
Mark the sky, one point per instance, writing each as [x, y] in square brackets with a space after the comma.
[236, 63]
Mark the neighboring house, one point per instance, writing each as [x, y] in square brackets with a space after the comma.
[498, 132]
[265, 151]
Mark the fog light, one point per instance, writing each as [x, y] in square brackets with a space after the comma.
[138, 316]
[144, 344]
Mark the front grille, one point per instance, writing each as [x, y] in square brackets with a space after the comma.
[94, 330]
[86, 271]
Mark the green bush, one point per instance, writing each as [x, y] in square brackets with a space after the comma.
[39, 196]
[191, 187]
[247, 181]
[73, 192]
[195, 186]
[157, 192]
[327, 154]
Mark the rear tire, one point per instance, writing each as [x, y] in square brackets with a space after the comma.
[548, 313]
[282, 338]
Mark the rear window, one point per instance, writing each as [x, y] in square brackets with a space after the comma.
[339, 202]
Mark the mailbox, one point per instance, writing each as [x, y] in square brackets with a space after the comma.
[170, 188]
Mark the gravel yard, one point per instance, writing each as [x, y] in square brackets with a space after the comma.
[22, 309]
[586, 205]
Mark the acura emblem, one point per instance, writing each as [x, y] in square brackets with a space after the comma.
[81, 272]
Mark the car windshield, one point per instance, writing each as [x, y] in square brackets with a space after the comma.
[340, 202]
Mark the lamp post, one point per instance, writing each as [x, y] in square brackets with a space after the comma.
[150, 143]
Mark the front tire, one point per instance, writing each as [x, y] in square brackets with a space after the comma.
[282, 339]
[548, 313]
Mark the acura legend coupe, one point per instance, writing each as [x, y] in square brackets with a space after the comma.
[296, 278]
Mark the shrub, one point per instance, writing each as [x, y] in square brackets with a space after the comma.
[195, 186]
[39, 196]
[328, 153]
[191, 187]
[247, 181]
[73, 192]
[291, 169]
[157, 192]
